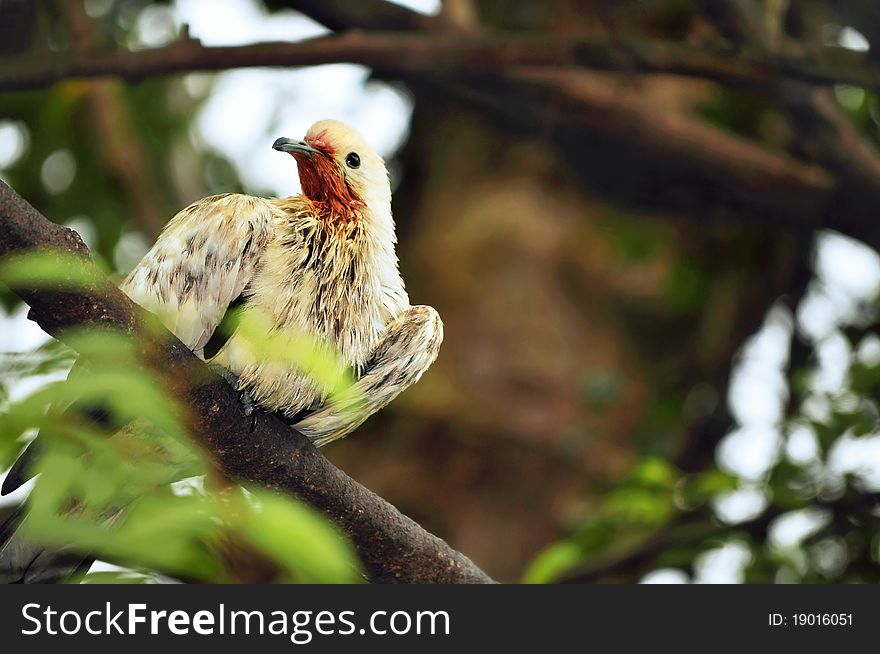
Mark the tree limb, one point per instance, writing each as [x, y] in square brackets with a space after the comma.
[459, 52]
[392, 547]
[826, 131]
[776, 183]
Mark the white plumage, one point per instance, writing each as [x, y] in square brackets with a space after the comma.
[319, 266]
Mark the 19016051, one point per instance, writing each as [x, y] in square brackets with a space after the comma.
[810, 620]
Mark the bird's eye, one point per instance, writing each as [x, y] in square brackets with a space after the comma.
[353, 160]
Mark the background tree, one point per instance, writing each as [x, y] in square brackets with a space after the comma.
[606, 201]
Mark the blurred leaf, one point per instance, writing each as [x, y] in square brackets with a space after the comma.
[552, 562]
[297, 537]
[50, 270]
[704, 486]
[108, 577]
[634, 244]
[639, 505]
[104, 485]
[686, 286]
[655, 473]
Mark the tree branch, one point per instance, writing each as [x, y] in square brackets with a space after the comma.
[392, 547]
[775, 182]
[461, 52]
[826, 131]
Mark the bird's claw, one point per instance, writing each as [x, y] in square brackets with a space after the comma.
[248, 404]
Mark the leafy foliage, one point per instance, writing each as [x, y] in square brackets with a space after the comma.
[813, 521]
[120, 479]
[675, 296]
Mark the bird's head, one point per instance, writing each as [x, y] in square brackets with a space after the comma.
[342, 176]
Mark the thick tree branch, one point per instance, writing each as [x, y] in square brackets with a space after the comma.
[826, 132]
[776, 183]
[392, 547]
[459, 52]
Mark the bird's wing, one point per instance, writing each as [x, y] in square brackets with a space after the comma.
[406, 350]
[201, 263]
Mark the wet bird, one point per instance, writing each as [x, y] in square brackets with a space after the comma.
[320, 266]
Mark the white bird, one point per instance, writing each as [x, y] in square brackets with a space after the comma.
[319, 266]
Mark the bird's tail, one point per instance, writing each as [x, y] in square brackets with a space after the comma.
[24, 561]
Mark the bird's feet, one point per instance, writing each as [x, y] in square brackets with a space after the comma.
[247, 401]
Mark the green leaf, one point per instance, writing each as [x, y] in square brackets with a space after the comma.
[121, 577]
[54, 270]
[704, 486]
[552, 562]
[298, 538]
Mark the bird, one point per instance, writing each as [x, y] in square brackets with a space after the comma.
[320, 266]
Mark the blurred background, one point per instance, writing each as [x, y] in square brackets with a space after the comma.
[659, 292]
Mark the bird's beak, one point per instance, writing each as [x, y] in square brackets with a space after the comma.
[294, 147]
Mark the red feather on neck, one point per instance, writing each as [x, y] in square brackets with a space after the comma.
[323, 182]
